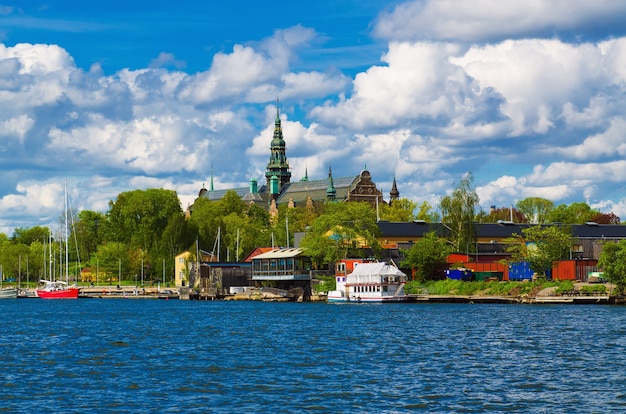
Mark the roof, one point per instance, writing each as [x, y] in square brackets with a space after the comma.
[376, 268]
[410, 229]
[417, 229]
[279, 254]
[299, 191]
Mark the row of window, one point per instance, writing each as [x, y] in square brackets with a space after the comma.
[369, 289]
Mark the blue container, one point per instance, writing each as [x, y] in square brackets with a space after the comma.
[460, 274]
[519, 271]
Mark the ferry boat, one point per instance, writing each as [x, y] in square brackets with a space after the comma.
[376, 282]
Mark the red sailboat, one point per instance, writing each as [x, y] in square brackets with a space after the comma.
[49, 289]
[57, 290]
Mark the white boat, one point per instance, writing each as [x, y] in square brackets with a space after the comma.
[8, 293]
[370, 282]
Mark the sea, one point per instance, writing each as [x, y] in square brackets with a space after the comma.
[145, 356]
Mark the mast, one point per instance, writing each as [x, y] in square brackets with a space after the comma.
[67, 250]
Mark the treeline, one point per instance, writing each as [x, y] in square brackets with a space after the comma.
[143, 230]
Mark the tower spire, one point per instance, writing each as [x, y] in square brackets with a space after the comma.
[331, 192]
[278, 165]
[394, 194]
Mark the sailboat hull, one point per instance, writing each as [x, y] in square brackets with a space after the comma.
[69, 293]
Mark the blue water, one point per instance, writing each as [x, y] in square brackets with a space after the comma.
[115, 355]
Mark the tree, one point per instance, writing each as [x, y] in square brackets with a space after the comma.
[343, 231]
[27, 236]
[612, 261]
[112, 259]
[535, 209]
[575, 213]
[541, 246]
[87, 231]
[139, 217]
[400, 210]
[458, 211]
[425, 212]
[426, 256]
[606, 218]
[505, 214]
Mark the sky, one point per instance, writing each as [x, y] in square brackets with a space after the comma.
[527, 96]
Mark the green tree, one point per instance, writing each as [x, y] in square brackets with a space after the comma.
[535, 209]
[458, 211]
[112, 261]
[426, 256]
[575, 213]
[343, 231]
[27, 236]
[541, 246]
[401, 210]
[138, 218]
[426, 213]
[612, 261]
[87, 231]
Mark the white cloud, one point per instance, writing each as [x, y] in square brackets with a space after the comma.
[418, 81]
[17, 126]
[607, 144]
[246, 70]
[537, 78]
[480, 20]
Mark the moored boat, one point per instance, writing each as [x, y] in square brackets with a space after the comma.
[370, 282]
[8, 293]
[57, 290]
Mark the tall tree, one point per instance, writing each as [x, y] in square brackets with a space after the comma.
[458, 211]
[535, 209]
[139, 217]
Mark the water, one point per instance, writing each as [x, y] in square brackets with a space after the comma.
[103, 355]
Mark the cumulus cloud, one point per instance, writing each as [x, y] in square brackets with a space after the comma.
[483, 20]
[246, 68]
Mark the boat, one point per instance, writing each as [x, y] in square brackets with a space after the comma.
[168, 294]
[376, 282]
[56, 290]
[49, 289]
[8, 293]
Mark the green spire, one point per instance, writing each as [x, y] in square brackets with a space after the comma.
[331, 193]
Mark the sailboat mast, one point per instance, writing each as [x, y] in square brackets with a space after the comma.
[67, 250]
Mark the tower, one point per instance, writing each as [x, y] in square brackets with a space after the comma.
[394, 194]
[278, 165]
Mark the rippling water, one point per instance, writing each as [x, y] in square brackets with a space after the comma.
[180, 356]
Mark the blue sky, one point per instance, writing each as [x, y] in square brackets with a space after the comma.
[117, 96]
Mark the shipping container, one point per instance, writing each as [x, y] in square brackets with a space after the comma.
[460, 274]
[519, 271]
[485, 276]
